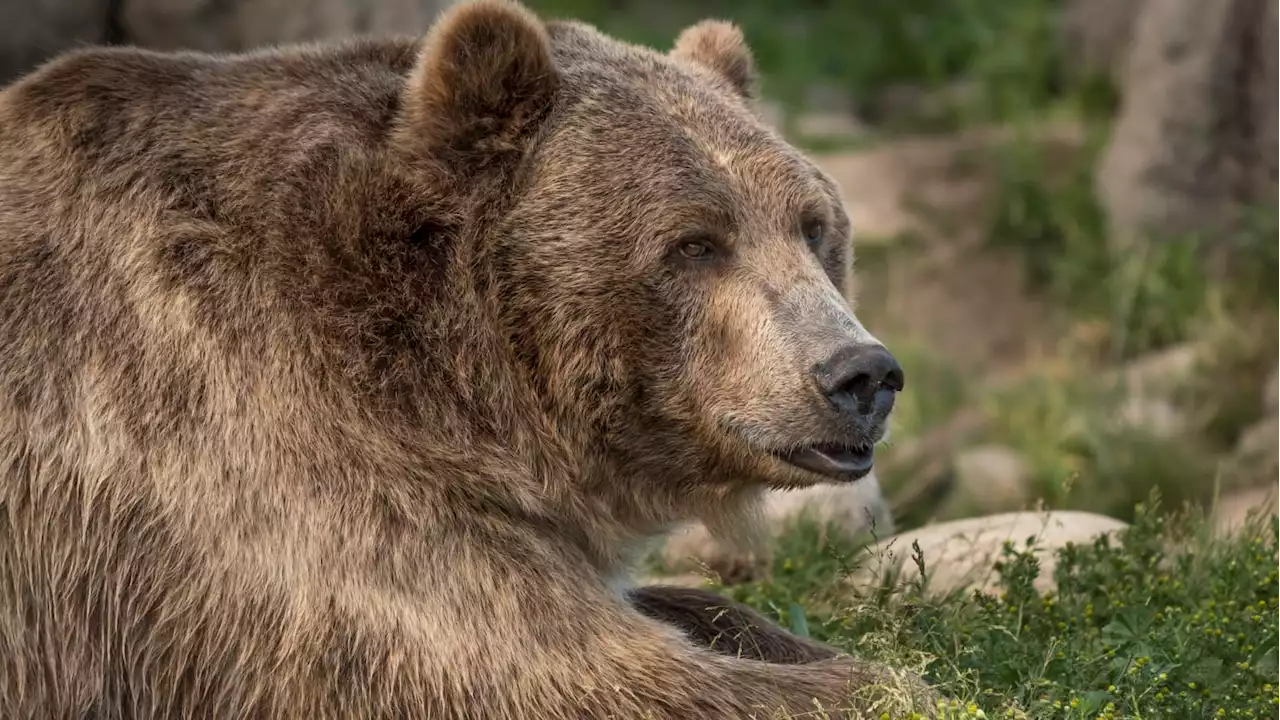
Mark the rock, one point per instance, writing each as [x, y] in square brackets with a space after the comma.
[938, 281]
[962, 553]
[927, 461]
[1255, 460]
[1261, 440]
[1161, 374]
[989, 478]
[1271, 393]
[1235, 509]
[854, 509]
[1196, 136]
[1156, 417]
[1097, 35]
[828, 125]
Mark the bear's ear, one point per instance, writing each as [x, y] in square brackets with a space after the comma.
[719, 45]
[483, 81]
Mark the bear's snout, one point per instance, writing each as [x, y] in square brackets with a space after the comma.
[860, 379]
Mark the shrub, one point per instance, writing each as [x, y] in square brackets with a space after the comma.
[1161, 621]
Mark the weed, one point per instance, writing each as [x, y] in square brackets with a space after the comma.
[1162, 620]
[1083, 453]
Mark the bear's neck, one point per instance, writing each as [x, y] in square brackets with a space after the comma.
[526, 453]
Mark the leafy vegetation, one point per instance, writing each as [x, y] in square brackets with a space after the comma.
[1004, 52]
[1162, 621]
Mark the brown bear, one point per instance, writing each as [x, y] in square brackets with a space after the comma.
[347, 380]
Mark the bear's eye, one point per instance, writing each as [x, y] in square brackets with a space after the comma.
[813, 231]
[696, 249]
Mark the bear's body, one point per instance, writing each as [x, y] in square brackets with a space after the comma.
[328, 390]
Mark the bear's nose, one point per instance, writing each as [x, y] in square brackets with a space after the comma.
[858, 373]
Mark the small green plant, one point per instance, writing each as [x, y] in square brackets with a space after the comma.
[1150, 296]
[1081, 452]
[1162, 621]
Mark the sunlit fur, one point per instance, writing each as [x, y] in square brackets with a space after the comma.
[345, 380]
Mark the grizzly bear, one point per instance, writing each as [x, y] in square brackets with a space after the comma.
[347, 380]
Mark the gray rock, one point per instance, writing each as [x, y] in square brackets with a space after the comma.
[1196, 136]
[1098, 34]
[1234, 510]
[1271, 392]
[829, 125]
[989, 478]
[963, 553]
[1159, 375]
[1255, 460]
[1156, 417]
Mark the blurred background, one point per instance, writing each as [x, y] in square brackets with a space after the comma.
[1067, 215]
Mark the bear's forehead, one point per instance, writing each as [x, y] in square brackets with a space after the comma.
[627, 82]
[633, 110]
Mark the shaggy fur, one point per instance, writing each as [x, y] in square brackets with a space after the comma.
[347, 380]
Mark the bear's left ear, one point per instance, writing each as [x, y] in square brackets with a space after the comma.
[720, 46]
[483, 81]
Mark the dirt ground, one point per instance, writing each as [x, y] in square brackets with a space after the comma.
[919, 208]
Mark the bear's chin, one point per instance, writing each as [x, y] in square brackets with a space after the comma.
[832, 463]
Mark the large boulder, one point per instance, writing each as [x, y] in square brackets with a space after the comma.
[987, 479]
[1255, 460]
[1271, 392]
[1195, 141]
[1098, 34]
[1235, 511]
[962, 553]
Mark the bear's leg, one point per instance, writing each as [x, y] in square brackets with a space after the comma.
[726, 626]
[583, 656]
[528, 630]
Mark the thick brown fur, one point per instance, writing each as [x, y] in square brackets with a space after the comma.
[347, 380]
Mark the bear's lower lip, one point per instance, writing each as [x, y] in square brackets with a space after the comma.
[834, 461]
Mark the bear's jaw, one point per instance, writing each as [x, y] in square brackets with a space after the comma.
[838, 462]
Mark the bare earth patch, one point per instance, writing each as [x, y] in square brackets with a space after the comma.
[929, 280]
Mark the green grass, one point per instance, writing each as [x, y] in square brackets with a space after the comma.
[1164, 621]
[1006, 51]
[1151, 295]
[1081, 457]
[1061, 233]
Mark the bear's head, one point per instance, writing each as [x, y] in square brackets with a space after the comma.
[669, 269]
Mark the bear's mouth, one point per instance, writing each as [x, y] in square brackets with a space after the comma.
[840, 462]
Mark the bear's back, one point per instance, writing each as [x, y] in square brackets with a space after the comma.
[104, 110]
[154, 205]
